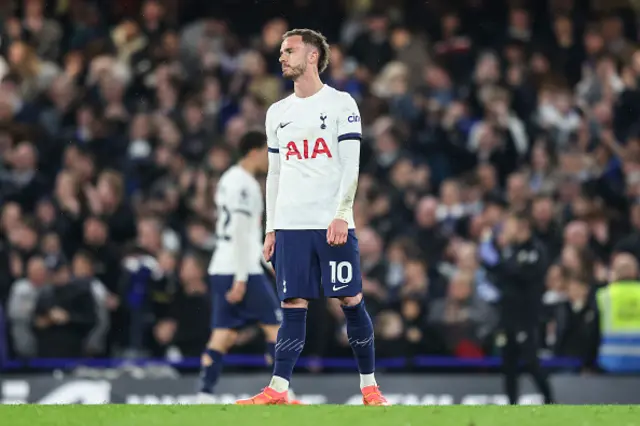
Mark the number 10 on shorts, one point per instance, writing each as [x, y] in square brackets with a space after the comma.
[341, 272]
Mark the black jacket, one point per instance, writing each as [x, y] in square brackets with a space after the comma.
[520, 276]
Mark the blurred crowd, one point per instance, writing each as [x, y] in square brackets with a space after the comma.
[117, 119]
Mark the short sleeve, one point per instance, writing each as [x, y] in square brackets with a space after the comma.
[349, 124]
[270, 129]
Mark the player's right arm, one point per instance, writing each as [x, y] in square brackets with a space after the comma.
[241, 217]
[273, 179]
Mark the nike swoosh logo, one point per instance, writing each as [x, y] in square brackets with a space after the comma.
[339, 288]
[283, 125]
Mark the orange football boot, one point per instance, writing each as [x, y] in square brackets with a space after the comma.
[268, 396]
[371, 395]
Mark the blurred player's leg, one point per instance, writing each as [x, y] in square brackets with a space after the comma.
[342, 279]
[211, 363]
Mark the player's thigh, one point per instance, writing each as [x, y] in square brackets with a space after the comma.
[339, 266]
[260, 302]
[225, 315]
[294, 265]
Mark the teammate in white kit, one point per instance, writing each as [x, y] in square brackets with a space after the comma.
[241, 292]
[314, 140]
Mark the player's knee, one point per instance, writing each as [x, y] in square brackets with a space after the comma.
[351, 300]
[295, 303]
[270, 332]
[222, 339]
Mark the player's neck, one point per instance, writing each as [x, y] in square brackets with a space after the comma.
[247, 166]
[307, 85]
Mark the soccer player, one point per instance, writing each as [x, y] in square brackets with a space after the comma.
[314, 152]
[241, 292]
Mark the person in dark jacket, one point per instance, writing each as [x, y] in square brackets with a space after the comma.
[65, 314]
[518, 262]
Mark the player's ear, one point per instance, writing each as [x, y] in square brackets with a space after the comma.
[313, 55]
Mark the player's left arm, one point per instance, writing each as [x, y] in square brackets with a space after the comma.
[349, 139]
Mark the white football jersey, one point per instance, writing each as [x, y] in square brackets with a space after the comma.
[238, 193]
[306, 133]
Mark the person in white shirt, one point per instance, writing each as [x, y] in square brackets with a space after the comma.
[242, 294]
[314, 140]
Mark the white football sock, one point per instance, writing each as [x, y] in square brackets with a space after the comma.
[279, 384]
[367, 380]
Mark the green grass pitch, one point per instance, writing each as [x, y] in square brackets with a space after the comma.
[324, 415]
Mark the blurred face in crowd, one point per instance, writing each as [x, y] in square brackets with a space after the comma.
[593, 42]
[152, 11]
[401, 174]
[171, 44]
[219, 159]
[168, 262]
[400, 38]
[466, 257]
[554, 280]
[519, 19]
[11, 216]
[46, 212]
[273, 31]
[109, 188]
[25, 238]
[378, 24]
[624, 267]
[577, 234]
[461, 287]
[149, 235]
[542, 211]
[370, 244]
[396, 252]
[450, 24]
[254, 64]
[563, 27]
[539, 64]
[236, 128]
[415, 276]
[193, 116]
[577, 290]
[51, 243]
[450, 193]
[612, 29]
[540, 158]
[487, 177]
[95, 232]
[517, 190]
[24, 157]
[426, 212]
[82, 267]
[140, 127]
[37, 272]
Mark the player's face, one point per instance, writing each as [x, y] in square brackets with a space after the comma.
[294, 57]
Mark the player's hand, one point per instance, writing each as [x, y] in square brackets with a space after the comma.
[337, 232]
[269, 245]
[236, 293]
